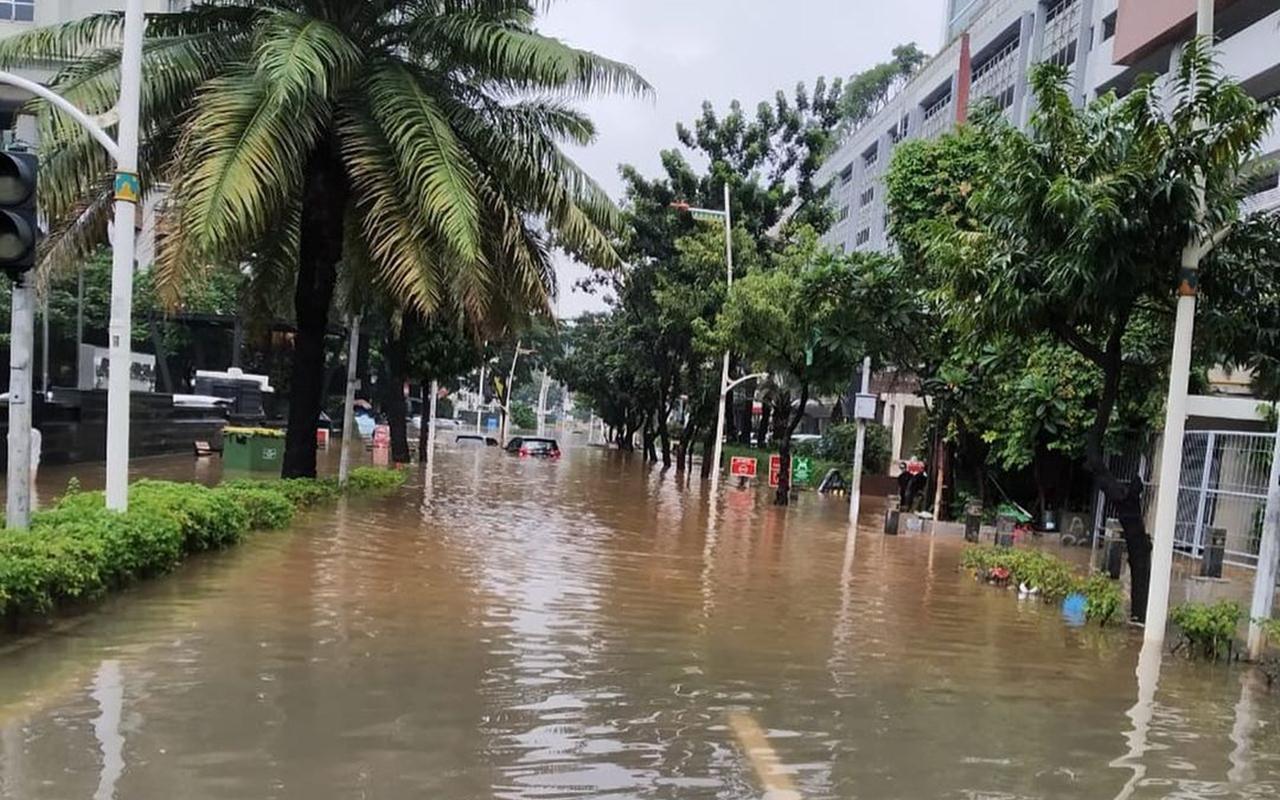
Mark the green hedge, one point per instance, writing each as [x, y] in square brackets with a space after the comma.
[1054, 577]
[78, 550]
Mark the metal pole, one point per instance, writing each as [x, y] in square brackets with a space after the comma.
[119, 338]
[1176, 409]
[718, 449]
[431, 418]
[859, 451]
[21, 335]
[1264, 582]
[44, 346]
[349, 431]
[79, 317]
[506, 400]
[480, 402]
[542, 404]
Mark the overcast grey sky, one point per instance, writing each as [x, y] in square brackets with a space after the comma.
[717, 50]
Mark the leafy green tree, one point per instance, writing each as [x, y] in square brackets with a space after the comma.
[806, 321]
[1078, 228]
[418, 136]
[866, 93]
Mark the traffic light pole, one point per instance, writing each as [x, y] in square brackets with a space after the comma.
[21, 337]
[128, 193]
[127, 196]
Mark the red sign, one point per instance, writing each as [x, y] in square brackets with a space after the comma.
[742, 467]
[382, 436]
[775, 468]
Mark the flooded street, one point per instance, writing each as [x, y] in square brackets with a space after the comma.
[508, 628]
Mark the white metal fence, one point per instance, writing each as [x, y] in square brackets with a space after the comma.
[1223, 485]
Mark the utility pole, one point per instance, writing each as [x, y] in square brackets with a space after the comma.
[119, 332]
[349, 431]
[431, 419]
[859, 450]
[506, 400]
[542, 404]
[21, 335]
[480, 401]
[1175, 421]
[1264, 581]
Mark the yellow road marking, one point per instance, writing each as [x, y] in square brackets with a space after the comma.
[764, 759]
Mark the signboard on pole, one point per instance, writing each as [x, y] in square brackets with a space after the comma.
[801, 470]
[864, 407]
[775, 467]
[742, 467]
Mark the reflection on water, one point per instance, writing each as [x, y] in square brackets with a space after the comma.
[507, 628]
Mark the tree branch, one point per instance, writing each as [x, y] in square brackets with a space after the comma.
[1073, 339]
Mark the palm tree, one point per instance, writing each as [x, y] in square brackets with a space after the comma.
[422, 137]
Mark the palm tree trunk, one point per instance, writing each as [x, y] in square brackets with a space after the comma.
[323, 208]
[393, 399]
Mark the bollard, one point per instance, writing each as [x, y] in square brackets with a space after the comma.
[1004, 530]
[891, 515]
[1115, 556]
[1211, 566]
[972, 520]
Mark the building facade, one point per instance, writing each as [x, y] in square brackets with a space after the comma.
[989, 47]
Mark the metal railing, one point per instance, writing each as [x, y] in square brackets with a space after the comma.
[1223, 485]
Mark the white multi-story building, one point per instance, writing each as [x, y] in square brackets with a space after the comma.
[988, 49]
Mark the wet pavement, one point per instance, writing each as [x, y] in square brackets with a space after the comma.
[508, 628]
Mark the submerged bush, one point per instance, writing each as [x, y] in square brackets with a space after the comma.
[1208, 631]
[1053, 577]
[79, 550]
[365, 479]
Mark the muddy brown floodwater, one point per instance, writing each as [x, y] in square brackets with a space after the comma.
[510, 628]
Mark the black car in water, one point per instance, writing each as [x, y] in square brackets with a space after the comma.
[534, 447]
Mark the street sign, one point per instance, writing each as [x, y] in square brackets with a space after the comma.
[742, 467]
[382, 436]
[801, 470]
[865, 407]
[775, 467]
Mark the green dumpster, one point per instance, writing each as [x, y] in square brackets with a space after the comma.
[254, 449]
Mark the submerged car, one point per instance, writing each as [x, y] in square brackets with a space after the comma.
[534, 447]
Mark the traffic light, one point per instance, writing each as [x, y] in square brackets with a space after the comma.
[19, 227]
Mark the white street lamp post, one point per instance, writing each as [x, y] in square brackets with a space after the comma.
[859, 450]
[349, 431]
[1175, 410]
[725, 386]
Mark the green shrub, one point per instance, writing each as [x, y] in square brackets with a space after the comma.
[268, 508]
[301, 492]
[366, 479]
[1054, 577]
[1208, 631]
[840, 441]
[1104, 598]
[78, 550]
[209, 519]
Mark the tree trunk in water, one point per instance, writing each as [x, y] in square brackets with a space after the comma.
[664, 436]
[762, 431]
[323, 206]
[792, 421]
[393, 398]
[1126, 497]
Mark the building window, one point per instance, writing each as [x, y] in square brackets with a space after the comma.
[844, 213]
[1058, 8]
[1109, 26]
[867, 196]
[18, 10]
[1064, 57]
[846, 175]
[870, 157]
[863, 237]
[1004, 99]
